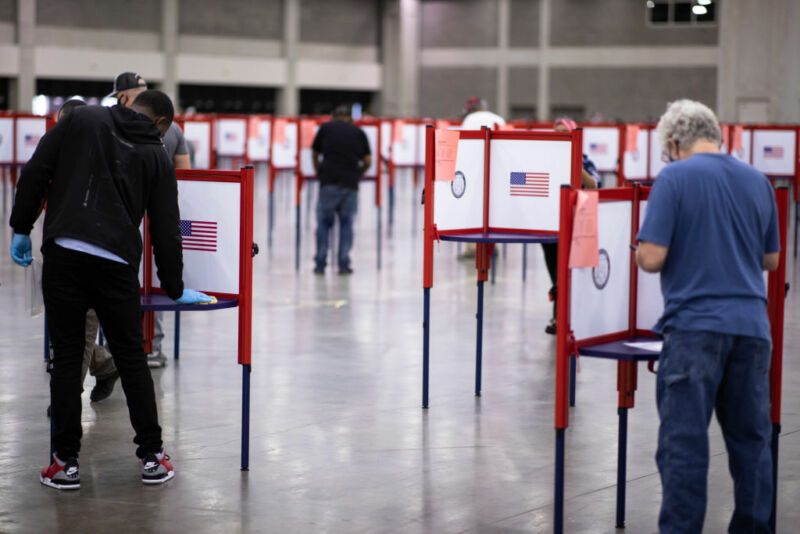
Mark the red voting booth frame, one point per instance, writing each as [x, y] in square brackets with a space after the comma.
[273, 170]
[303, 143]
[484, 236]
[567, 347]
[392, 167]
[243, 300]
[212, 161]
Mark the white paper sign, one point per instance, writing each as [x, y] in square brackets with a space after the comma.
[258, 146]
[198, 134]
[6, 140]
[231, 136]
[774, 151]
[29, 131]
[599, 297]
[525, 181]
[458, 204]
[601, 144]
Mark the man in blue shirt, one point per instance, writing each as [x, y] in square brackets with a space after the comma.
[711, 229]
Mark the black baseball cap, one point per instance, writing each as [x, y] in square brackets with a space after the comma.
[127, 80]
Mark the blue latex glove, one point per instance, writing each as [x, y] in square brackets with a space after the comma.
[21, 250]
[190, 296]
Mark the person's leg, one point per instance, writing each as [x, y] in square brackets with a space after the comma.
[551, 262]
[348, 207]
[116, 300]
[92, 326]
[743, 412]
[689, 372]
[326, 206]
[64, 281]
[157, 358]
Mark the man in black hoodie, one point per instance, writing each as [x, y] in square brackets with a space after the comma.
[101, 169]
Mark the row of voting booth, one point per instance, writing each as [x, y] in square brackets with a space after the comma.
[520, 186]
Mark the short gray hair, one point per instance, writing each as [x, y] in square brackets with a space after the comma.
[687, 122]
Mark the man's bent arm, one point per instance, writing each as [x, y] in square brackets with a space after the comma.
[650, 256]
[771, 261]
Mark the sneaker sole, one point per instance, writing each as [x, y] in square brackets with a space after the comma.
[154, 481]
[49, 482]
[156, 365]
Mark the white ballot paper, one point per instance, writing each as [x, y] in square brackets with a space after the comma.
[653, 346]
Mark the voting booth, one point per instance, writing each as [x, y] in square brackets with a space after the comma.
[198, 130]
[19, 135]
[283, 140]
[230, 140]
[608, 310]
[489, 187]
[603, 144]
[216, 226]
[637, 151]
[259, 133]
[406, 150]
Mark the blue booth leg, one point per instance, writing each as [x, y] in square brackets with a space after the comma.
[379, 238]
[245, 417]
[391, 209]
[270, 218]
[493, 265]
[479, 341]
[177, 335]
[558, 500]
[426, 335]
[524, 261]
[297, 239]
[622, 456]
[573, 370]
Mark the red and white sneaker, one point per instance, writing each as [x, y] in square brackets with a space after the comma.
[62, 474]
[156, 468]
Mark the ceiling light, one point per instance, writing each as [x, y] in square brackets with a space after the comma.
[699, 10]
[704, 2]
[651, 4]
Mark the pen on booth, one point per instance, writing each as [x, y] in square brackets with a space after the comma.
[634, 247]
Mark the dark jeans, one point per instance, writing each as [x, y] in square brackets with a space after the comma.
[73, 282]
[335, 201]
[699, 372]
[551, 261]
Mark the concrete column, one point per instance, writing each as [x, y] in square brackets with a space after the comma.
[289, 99]
[390, 58]
[408, 83]
[25, 86]
[543, 99]
[169, 45]
[503, 39]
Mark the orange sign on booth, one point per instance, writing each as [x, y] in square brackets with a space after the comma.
[307, 133]
[397, 131]
[585, 251]
[252, 127]
[446, 150]
[279, 133]
[736, 144]
[631, 137]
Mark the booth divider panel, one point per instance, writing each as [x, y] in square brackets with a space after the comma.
[747, 140]
[656, 151]
[774, 152]
[29, 131]
[284, 155]
[457, 207]
[534, 206]
[6, 139]
[198, 134]
[371, 131]
[306, 158]
[649, 302]
[420, 152]
[231, 137]
[636, 162]
[405, 152]
[386, 139]
[258, 146]
[599, 296]
[601, 144]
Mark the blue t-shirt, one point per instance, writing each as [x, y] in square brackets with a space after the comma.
[717, 216]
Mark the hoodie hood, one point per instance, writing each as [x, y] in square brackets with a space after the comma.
[134, 126]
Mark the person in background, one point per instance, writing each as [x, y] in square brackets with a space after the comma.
[589, 180]
[96, 359]
[127, 86]
[101, 169]
[341, 155]
[477, 115]
[711, 229]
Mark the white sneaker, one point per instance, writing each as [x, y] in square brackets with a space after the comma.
[156, 360]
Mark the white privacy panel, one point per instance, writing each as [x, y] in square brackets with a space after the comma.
[525, 178]
[371, 131]
[459, 204]
[210, 230]
[386, 139]
[284, 155]
[599, 297]
[656, 155]
[306, 158]
[198, 134]
[743, 153]
[6, 140]
[774, 151]
[420, 150]
[405, 151]
[258, 144]
[601, 144]
[231, 136]
[649, 302]
[29, 131]
[636, 162]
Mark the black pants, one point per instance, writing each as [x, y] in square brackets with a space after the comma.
[551, 260]
[73, 282]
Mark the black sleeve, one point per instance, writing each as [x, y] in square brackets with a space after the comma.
[165, 234]
[316, 146]
[35, 177]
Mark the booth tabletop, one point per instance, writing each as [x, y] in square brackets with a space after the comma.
[621, 350]
[159, 302]
[501, 237]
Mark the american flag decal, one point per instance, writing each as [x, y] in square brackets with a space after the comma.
[774, 152]
[199, 235]
[598, 148]
[32, 140]
[530, 184]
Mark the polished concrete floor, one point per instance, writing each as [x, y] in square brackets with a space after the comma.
[339, 442]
